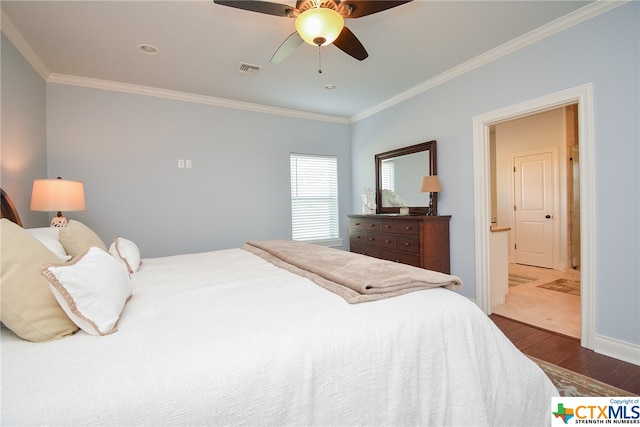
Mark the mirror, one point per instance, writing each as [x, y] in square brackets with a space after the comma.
[399, 173]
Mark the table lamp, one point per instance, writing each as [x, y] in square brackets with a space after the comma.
[430, 184]
[57, 195]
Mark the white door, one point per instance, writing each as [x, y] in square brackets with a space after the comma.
[534, 187]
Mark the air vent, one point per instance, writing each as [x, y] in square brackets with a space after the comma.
[249, 68]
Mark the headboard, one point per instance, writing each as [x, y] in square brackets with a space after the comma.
[8, 209]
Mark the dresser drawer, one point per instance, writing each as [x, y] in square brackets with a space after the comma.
[381, 240]
[400, 227]
[403, 257]
[365, 250]
[409, 243]
[364, 224]
[356, 238]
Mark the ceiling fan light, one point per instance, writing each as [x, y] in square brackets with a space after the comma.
[317, 24]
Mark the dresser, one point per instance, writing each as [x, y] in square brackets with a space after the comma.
[418, 240]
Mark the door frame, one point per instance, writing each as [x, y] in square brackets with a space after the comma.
[583, 96]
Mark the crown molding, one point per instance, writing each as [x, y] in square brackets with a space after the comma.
[585, 13]
[23, 47]
[188, 97]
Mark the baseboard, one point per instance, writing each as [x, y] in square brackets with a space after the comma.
[617, 349]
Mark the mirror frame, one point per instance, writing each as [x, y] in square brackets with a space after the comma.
[413, 210]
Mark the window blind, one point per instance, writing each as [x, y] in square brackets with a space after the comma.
[314, 197]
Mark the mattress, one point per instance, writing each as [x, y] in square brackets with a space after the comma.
[226, 338]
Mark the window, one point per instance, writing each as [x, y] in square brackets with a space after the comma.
[314, 197]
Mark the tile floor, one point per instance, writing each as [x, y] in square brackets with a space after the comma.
[547, 309]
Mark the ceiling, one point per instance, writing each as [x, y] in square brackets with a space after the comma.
[201, 46]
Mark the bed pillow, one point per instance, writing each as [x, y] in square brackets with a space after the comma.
[76, 238]
[48, 236]
[92, 289]
[126, 252]
[29, 308]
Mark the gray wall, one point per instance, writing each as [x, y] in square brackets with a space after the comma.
[23, 152]
[603, 50]
[125, 148]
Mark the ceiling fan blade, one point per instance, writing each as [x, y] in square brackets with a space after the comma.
[287, 47]
[361, 8]
[265, 7]
[349, 44]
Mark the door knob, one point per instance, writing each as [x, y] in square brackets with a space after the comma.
[547, 216]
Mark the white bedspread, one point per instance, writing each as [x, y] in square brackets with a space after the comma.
[225, 338]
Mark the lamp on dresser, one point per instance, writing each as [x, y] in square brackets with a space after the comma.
[431, 184]
[57, 195]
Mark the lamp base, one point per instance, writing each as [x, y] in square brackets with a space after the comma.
[430, 210]
[59, 221]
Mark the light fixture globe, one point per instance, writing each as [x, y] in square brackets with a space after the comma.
[319, 26]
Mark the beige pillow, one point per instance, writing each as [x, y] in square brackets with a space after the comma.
[29, 308]
[77, 238]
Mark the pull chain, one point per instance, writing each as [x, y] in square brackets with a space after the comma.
[319, 41]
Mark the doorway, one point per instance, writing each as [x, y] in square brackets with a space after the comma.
[583, 98]
[531, 156]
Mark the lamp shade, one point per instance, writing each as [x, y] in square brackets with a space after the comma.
[319, 26]
[52, 195]
[430, 184]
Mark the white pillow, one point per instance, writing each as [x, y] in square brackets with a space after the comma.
[126, 252]
[48, 236]
[92, 289]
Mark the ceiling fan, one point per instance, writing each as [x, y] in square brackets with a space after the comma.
[318, 22]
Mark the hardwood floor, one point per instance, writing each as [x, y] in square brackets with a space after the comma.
[566, 352]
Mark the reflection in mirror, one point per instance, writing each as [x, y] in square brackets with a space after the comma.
[399, 174]
[399, 187]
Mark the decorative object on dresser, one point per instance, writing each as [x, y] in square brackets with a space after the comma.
[398, 173]
[57, 195]
[368, 201]
[418, 240]
[431, 184]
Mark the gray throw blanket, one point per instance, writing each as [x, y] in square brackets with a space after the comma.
[356, 278]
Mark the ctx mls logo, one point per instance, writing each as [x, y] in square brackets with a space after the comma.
[564, 413]
[595, 410]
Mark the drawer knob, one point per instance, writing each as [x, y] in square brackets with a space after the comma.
[387, 241]
[407, 227]
[357, 223]
[357, 237]
[371, 239]
[407, 244]
[372, 225]
[387, 226]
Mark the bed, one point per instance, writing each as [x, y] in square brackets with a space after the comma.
[229, 338]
